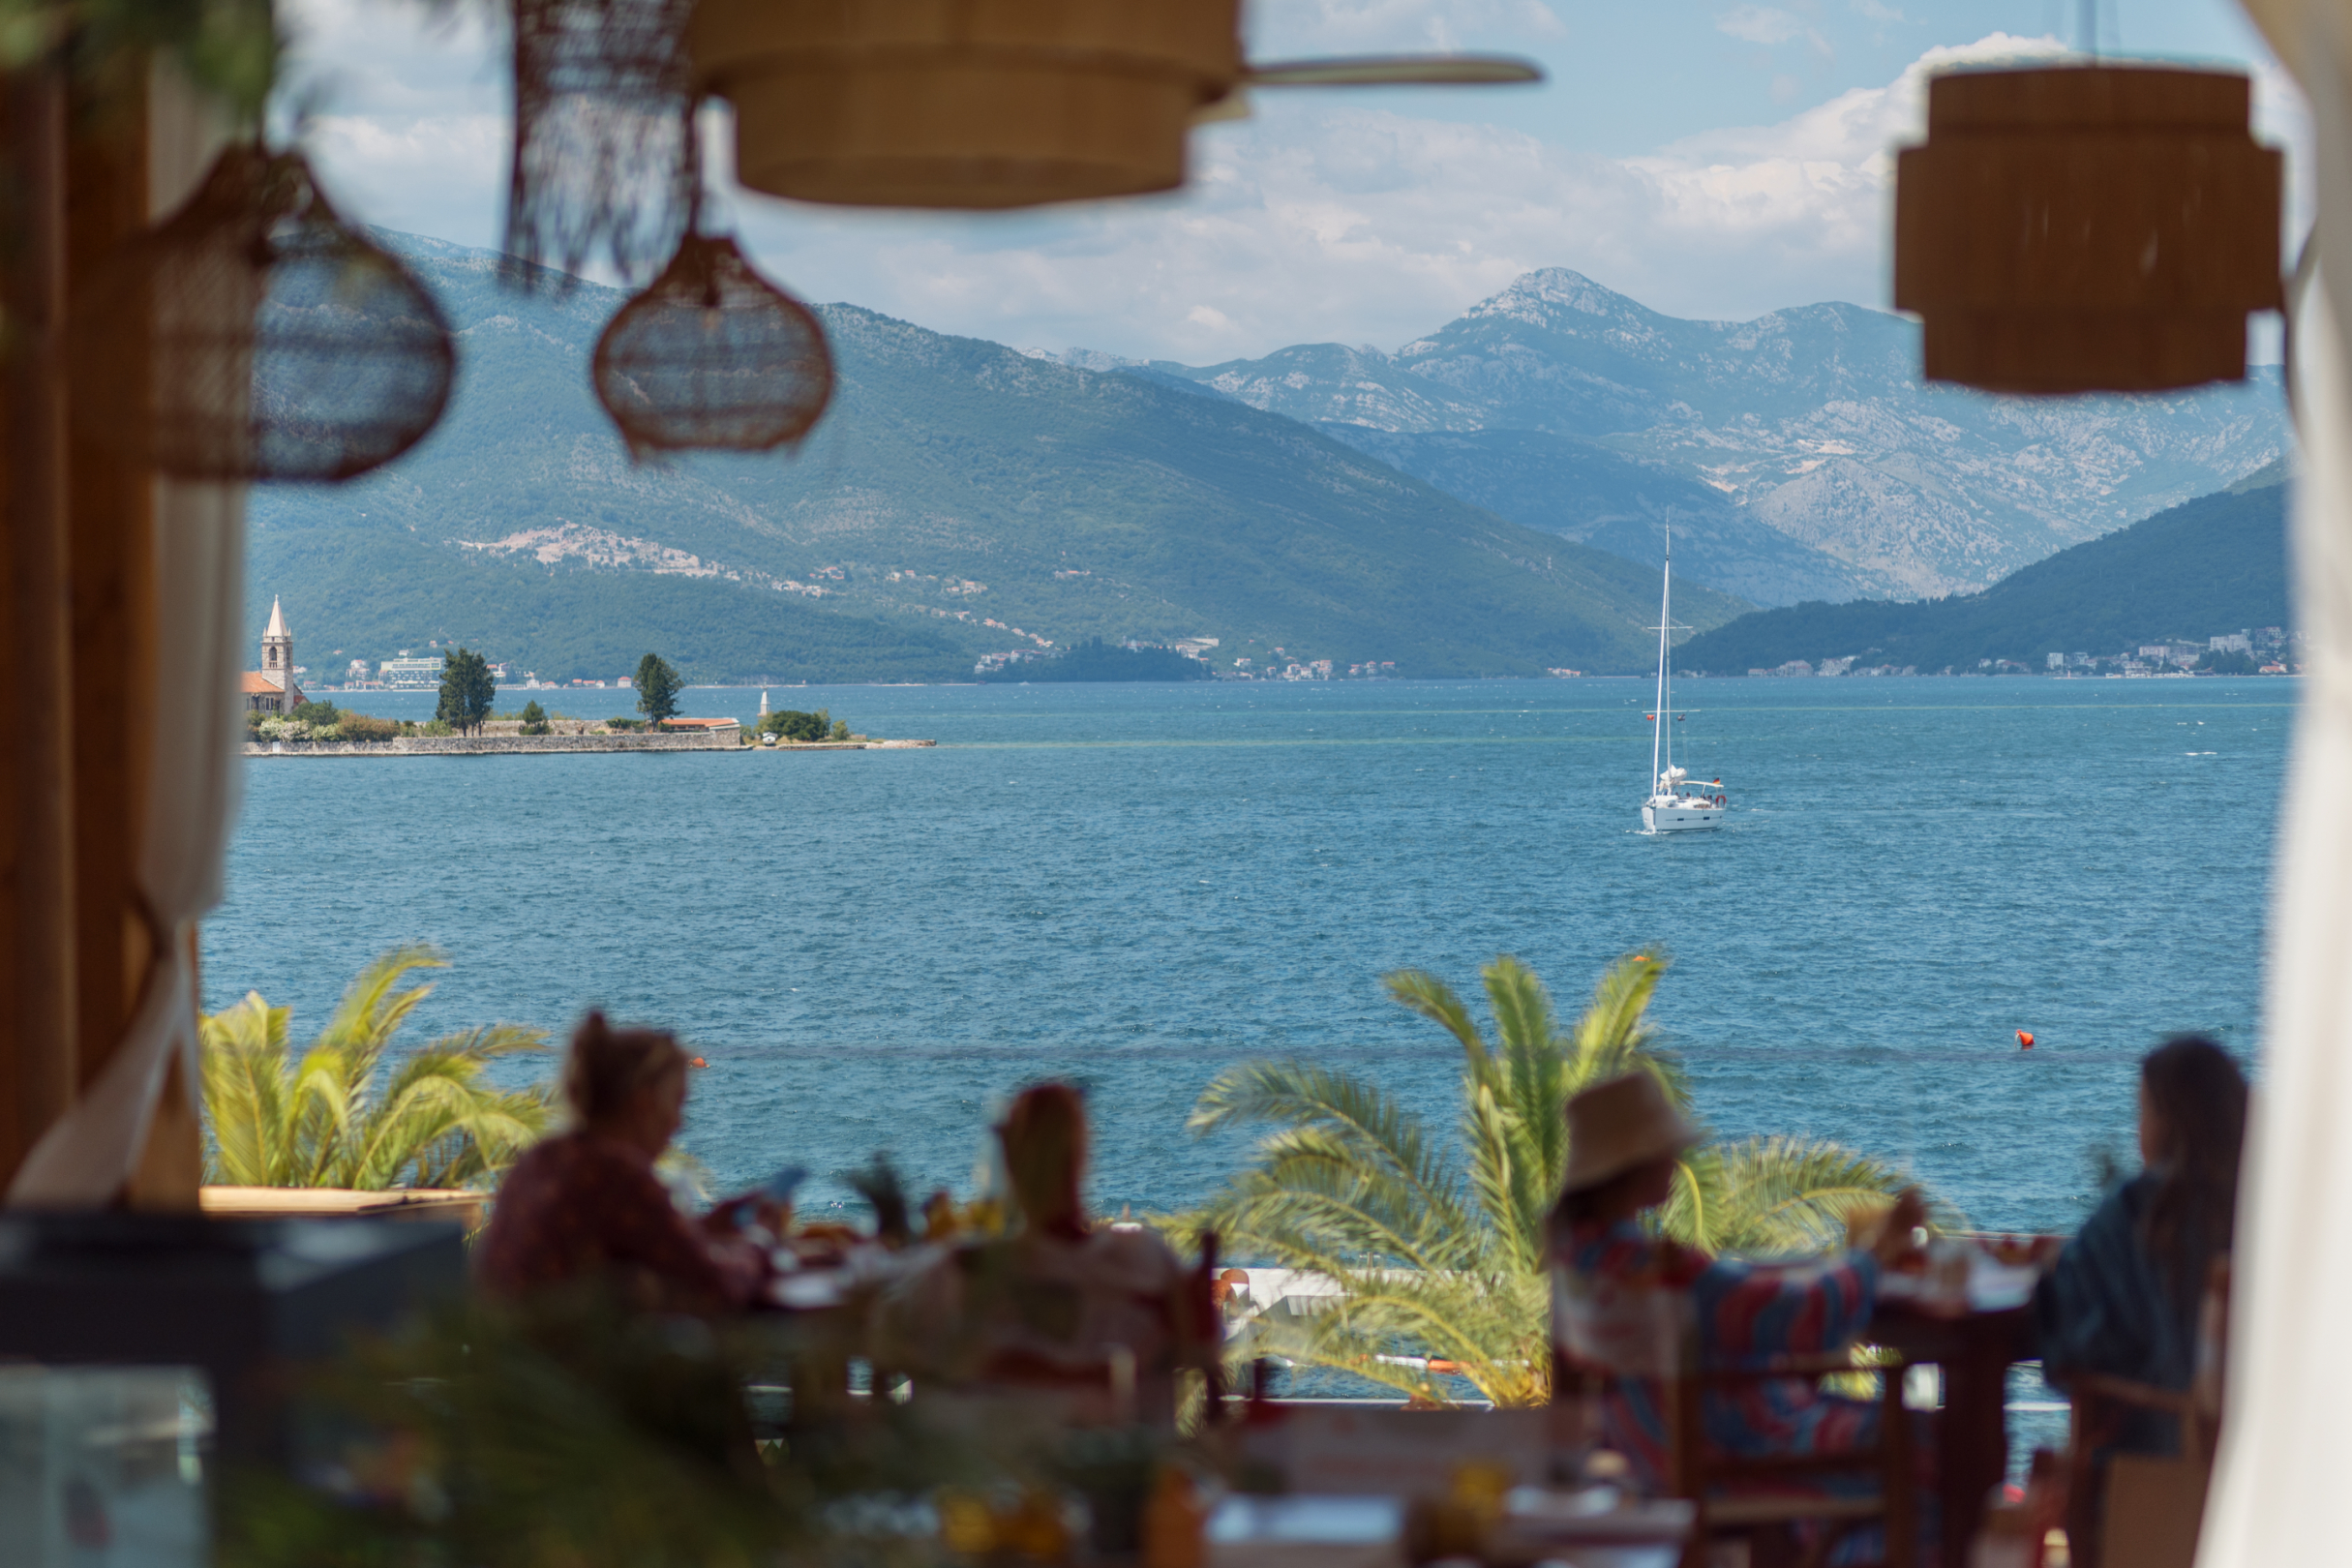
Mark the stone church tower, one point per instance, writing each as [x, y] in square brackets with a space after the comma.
[271, 689]
[277, 649]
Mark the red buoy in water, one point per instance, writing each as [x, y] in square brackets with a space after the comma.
[697, 1062]
[2025, 1040]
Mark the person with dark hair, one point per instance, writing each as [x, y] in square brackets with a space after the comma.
[1098, 1316]
[585, 1208]
[2123, 1298]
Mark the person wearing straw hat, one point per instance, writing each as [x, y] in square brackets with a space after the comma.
[1625, 1300]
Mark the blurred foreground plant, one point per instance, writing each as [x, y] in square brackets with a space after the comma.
[579, 1435]
[319, 1118]
[1436, 1260]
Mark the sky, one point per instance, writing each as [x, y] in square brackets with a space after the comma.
[1710, 158]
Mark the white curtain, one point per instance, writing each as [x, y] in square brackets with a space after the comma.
[2286, 1450]
[194, 785]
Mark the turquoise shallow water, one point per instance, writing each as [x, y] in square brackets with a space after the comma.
[1136, 886]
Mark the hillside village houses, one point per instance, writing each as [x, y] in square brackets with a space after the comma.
[2268, 644]
[272, 688]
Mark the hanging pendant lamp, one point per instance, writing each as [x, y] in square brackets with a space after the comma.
[253, 335]
[712, 356]
[2087, 228]
[972, 103]
[993, 104]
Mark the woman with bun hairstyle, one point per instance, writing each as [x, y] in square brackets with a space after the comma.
[585, 1208]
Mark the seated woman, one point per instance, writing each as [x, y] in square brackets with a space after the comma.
[584, 1206]
[1623, 1297]
[2125, 1295]
[1101, 1314]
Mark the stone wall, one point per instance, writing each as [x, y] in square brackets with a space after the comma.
[499, 745]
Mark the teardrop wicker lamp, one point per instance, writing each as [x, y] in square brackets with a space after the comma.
[713, 357]
[2087, 228]
[255, 335]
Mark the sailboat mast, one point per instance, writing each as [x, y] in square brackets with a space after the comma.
[1665, 600]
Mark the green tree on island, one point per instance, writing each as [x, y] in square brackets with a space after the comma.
[467, 691]
[535, 718]
[658, 684]
[1436, 1260]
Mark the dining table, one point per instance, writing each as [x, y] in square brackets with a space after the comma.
[1973, 1337]
[1311, 1530]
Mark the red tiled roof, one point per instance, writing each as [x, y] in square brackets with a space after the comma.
[257, 684]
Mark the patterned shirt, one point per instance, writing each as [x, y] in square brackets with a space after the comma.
[583, 1206]
[1617, 1288]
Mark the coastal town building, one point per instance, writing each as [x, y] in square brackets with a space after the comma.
[410, 674]
[272, 688]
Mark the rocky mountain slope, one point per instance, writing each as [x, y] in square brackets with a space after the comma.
[959, 498]
[1797, 455]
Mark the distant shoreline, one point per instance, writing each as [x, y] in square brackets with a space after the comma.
[546, 745]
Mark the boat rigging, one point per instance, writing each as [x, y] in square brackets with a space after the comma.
[1678, 803]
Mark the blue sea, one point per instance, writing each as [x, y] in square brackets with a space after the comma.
[1136, 887]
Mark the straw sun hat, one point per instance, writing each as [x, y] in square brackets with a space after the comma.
[1612, 1126]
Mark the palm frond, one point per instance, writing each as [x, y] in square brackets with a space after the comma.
[1303, 1094]
[322, 1118]
[1785, 1197]
[373, 1009]
[243, 1058]
[1444, 1255]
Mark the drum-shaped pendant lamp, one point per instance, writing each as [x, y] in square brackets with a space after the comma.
[2087, 228]
[973, 104]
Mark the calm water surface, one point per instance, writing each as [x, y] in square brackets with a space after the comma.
[1135, 887]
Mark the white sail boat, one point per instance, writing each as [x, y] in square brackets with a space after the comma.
[1678, 803]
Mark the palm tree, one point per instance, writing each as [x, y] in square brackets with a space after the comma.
[319, 1118]
[1443, 1259]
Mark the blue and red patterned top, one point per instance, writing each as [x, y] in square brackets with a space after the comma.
[1622, 1299]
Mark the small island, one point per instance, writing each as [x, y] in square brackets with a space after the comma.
[280, 721]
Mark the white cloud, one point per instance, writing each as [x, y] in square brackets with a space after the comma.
[1368, 25]
[1759, 24]
[1320, 220]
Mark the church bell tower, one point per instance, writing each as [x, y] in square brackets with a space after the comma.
[277, 649]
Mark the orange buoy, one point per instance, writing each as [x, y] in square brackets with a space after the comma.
[2025, 1040]
[697, 1062]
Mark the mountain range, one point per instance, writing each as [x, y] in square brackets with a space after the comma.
[1493, 498]
[2213, 565]
[1796, 455]
[959, 498]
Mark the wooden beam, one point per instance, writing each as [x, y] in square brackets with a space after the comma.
[38, 1033]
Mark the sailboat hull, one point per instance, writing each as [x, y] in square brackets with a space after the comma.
[1678, 818]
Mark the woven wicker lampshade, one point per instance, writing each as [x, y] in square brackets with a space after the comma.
[712, 356]
[255, 335]
[2087, 228]
[973, 104]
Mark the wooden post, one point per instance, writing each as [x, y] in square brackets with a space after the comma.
[110, 508]
[38, 1033]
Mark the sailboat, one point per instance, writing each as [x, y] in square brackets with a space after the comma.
[1678, 803]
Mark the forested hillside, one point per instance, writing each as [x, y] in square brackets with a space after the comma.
[2217, 564]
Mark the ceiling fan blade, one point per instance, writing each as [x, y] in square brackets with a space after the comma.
[1395, 70]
